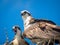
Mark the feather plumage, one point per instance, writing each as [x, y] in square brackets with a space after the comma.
[39, 30]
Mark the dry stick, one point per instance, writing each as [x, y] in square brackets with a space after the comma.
[6, 43]
[49, 41]
[54, 41]
[6, 36]
[43, 42]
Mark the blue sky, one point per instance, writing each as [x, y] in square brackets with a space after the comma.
[10, 13]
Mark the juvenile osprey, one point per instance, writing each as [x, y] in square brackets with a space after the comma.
[39, 30]
[18, 39]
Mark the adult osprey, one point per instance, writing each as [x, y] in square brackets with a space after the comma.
[18, 39]
[39, 30]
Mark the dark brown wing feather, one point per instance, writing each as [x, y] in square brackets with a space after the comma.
[46, 32]
[44, 20]
[42, 29]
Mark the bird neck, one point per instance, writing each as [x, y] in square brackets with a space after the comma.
[27, 21]
[18, 34]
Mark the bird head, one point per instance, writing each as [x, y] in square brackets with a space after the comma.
[15, 28]
[25, 14]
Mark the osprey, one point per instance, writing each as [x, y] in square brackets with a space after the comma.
[18, 39]
[39, 30]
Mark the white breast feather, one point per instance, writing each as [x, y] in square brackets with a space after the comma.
[26, 23]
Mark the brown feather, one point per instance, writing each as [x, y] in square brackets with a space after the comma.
[39, 30]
